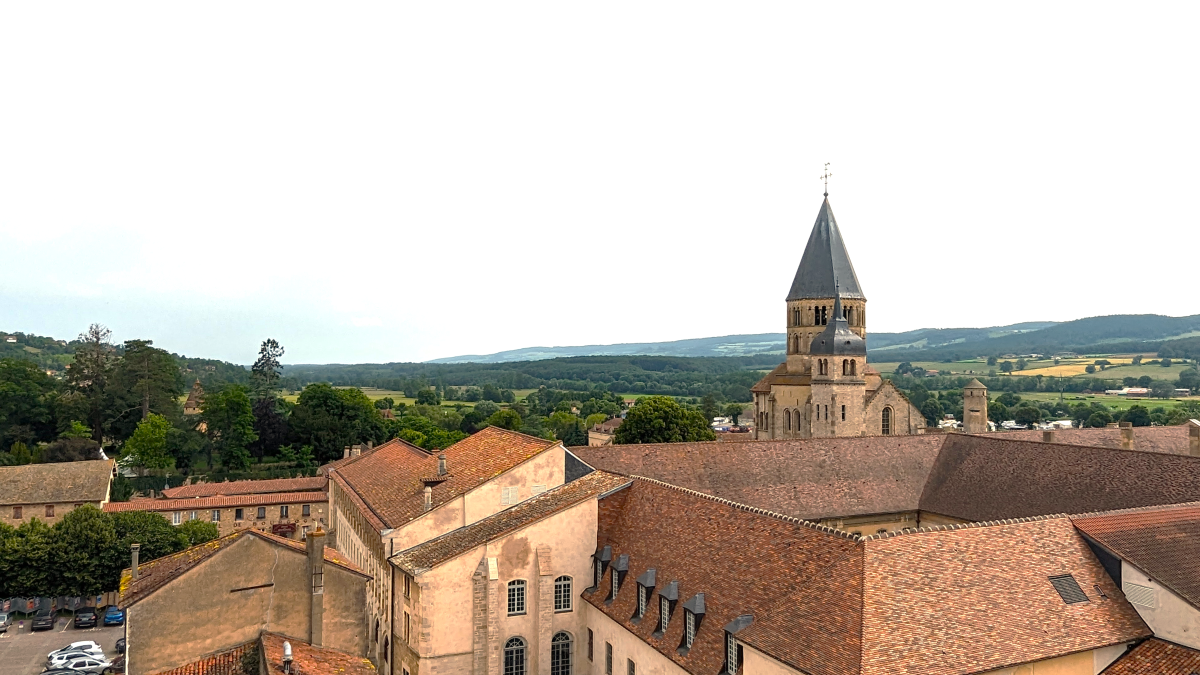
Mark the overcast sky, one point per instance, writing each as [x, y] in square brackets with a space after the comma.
[404, 181]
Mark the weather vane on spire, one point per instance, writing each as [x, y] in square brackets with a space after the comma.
[825, 177]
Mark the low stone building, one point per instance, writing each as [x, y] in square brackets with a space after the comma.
[248, 487]
[287, 514]
[604, 432]
[219, 595]
[50, 491]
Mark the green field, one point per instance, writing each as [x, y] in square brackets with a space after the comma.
[1047, 367]
[1113, 402]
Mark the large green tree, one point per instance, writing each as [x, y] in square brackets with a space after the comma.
[150, 530]
[89, 375]
[27, 402]
[145, 380]
[329, 419]
[659, 419]
[147, 447]
[229, 419]
[83, 551]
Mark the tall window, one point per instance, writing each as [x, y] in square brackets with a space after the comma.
[853, 367]
[591, 643]
[283, 511]
[560, 654]
[664, 613]
[607, 658]
[599, 573]
[816, 316]
[176, 518]
[238, 514]
[887, 421]
[616, 577]
[262, 513]
[305, 510]
[49, 510]
[689, 628]
[632, 669]
[843, 413]
[731, 659]
[514, 656]
[216, 515]
[641, 601]
[562, 594]
[787, 419]
[516, 597]
[845, 366]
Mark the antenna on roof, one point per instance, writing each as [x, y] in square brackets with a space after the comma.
[825, 177]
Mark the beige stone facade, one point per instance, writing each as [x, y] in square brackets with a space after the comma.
[290, 515]
[50, 491]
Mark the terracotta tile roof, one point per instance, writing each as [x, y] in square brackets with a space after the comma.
[740, 560]
[226, 662]
[982, 598]
[947, 601]
[156, 573]
[1162, 542]
[386, 482]
[310, 660]
[1156, 657]
[984, 478]
[57, 482]
[464, 539]
[245, 487]
[809, 478]
[1171, 440]
[199, 503]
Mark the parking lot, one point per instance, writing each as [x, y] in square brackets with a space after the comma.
[24, 653]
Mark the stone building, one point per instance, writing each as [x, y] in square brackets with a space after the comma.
[195, 401]
[224, 593]
[825, 387]
[287, 514]
[604, 432]
[50, 491]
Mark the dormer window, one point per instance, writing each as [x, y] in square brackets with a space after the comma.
[599, 572]
[619, 569]
[602, 558]
[733, 651]
[641, 607]
[693, 616]
[666, 602]
[689, 628]
[645, 589]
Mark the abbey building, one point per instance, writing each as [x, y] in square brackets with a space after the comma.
[825, 387]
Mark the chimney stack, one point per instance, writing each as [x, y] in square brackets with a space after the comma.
[1193, 437]
[442, 464]
[346, 452]
[316, 567]
[1126, 435]
[355, 450]
[134, 565]
[1048, 435]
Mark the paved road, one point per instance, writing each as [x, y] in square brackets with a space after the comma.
[24, 653]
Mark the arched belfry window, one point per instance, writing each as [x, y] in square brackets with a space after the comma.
[845, 366]
[887, 421]
[850, 315]
[787, 416]
[853, 367]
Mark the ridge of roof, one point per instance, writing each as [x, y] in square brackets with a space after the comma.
[1132, 509]
[216, 501]
[963, 526]
[1000, 436]
[754, 509]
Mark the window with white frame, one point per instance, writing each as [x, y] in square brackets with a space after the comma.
[514, 657]
[176, 518]
[562, 594]
[664, 613]
[599, 573]
[616, 582]
[731, 659]
[560, 654]
[509, 495]
[216, 515]
[641, 608]
[516, 597]
[689, 628]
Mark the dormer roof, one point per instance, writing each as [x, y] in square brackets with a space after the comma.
[825, 263]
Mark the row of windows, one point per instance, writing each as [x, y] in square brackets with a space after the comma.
[18, 512]
[239, 514]
[821, 315]
[849, 367]
[516, 595]
[515, 653]
[691, 618]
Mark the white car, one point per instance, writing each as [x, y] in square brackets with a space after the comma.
[88, 646]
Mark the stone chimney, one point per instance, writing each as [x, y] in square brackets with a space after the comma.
[346, 452]
[428, 497]
[316, 568]
[1048, 435]
[355, 450]
[442, 464]
[1193, 437]
[1126, 435]
[133, 567]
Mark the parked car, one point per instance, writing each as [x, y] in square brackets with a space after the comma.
[121, 646]
[5, 621]
[60, 671]
[117, 667]
[114, 616]
[87, 664]
[43, 620]
[61, 660]
[87, 646]
[86, 617]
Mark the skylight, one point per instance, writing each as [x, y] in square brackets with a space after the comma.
[1068, 588]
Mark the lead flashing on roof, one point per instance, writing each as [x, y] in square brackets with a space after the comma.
[647, 578]
[695, 604]
[604, 555]
[670, 591]
[739, 624]
[622, 563]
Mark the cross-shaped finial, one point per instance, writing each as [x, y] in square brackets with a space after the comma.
[825, 177]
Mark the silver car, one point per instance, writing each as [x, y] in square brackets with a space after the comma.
[5, 621]
[87, 664]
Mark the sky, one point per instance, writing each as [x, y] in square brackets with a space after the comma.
[402, 181]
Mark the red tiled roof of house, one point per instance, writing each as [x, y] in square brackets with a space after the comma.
[155, 574]
[948, 601]
[804, 478]
[225, 662]
[1171, 440]
[987, 478]
[1156, 657]
[245, 487]
[1163, 542]
[199, 503]
[386, 483]
[455, 543]
[310, 660]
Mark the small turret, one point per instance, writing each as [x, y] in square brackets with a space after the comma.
[975, 408]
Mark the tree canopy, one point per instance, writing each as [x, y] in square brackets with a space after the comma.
[659, 419]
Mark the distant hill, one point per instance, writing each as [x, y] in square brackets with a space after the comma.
[729, 345]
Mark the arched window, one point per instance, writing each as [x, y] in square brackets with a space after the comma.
[816, 316]
[853, 366]
[560, 654]
[824, 315]
[787, 417]
[562, 594]
[850, 315]
[845, 366]
[887, 421]
[514, 656]
[387, 648]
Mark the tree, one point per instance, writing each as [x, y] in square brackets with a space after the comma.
[83, 549]
[384, 403]
[329, 419]
[147, 447]
[156, 536]
[27, 400]
[594, 419]
[1027, 415]
[71, 450]
[144, 380]
[198, 531]
[659, 419]
[472, 421]
[1137, 360]
[1099, 420]
[991, 360]
[1089, 369]
[1006, 367]
[486, 408]
[709, 407]
[1165, 363]
[1162, 390]
[26, 559]
[1144, 381]
[505, 419]
[89, 373]
[1021, 364]
[264, 374]
[734, 411]
[1137, 415]
[932, 410]
[270, 425]
[997, 412]
[428, 397]
[20, 453]
[230, 422]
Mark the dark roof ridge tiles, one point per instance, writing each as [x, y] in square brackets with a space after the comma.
[963, 526]
[756, 510]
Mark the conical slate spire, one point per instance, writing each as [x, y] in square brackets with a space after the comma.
[837, 338]
[825, 263]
